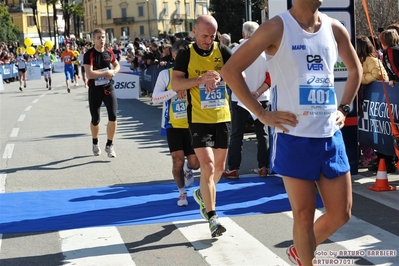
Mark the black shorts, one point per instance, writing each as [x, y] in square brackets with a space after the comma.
[82, 68]
[179, 139]
[22, 70]
[210, 135]
[76, 69]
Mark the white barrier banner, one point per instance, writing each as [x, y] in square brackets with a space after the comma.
[127, 86]
[33, 73]
[1, 83]
[58, 67]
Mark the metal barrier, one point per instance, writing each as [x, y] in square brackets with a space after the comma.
[149, 76]
[10, 71]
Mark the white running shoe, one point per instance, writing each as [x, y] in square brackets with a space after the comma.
[110, 151]
[182, 200]
[188, 175]
[96, 150]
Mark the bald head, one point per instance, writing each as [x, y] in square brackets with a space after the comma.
[206, 20]
[205, 31]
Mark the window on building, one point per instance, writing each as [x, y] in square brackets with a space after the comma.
[141, 30]
[188, 10]
[204, 10]
[165, 8]
[44, 24]
[124, 12]
[125, 30]
[109, 34]
[30, 21]
[108, 13]
[43, 2]
[141, 11]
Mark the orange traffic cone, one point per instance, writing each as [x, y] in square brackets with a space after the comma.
[381, 181]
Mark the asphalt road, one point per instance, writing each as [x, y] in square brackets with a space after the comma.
[45, 145]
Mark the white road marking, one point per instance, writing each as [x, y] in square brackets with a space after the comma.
[28, 108]
[94, 246]
[8, 151]
[21, 118]
[3, 183]
[14, 132]
[235, 247]
[42, 95]
[35, 101]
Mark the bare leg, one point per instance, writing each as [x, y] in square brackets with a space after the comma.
[337, 199]
[111, 129]
[301, 194]
[94, 130]
[212, 162]
[177, 168]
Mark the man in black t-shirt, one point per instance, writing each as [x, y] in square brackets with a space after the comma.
[97, 63]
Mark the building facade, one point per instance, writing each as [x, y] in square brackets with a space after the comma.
[22, 15]
[127, 19]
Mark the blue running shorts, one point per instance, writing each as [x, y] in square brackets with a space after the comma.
[307, 158]
[68, 70]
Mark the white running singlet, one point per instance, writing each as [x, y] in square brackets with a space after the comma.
[302, 76]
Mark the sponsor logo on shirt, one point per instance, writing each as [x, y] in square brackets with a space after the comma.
[314, 62]
[296, 47]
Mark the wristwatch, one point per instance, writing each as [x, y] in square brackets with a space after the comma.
[345, 108]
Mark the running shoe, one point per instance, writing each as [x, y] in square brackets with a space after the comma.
[96, 150]
[198, 198]
[46, 85]
[263, 172]
[20, 88]
[216, 228]
[293, 255]
[49, 88]
[76, 84]
[188, 175]
[231, 174]
[24, 84]
[68, 90]
[182, 200]
[110, 151]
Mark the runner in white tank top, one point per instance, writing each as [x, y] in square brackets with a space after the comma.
[302, 46]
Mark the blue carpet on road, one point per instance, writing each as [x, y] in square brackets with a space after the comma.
[133, 204]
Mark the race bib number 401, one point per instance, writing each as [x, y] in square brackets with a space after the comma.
[317, 95]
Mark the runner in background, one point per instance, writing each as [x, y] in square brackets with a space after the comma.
[82, 68]
[48, 60]
[22, 58]
[68, 57]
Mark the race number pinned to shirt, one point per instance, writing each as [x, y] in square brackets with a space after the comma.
[101, 81]
[317, 95]
[215, 99]
[179, 107]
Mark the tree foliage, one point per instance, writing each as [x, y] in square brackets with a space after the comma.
[35, 18]
[230, 15]
[382, 14]
[8, 30]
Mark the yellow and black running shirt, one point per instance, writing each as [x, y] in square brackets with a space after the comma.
[175, 109]
[202, 107]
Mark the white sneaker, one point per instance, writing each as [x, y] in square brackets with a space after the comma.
[110, 150]
[96, 150]
[182, 200]
[188, 175]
